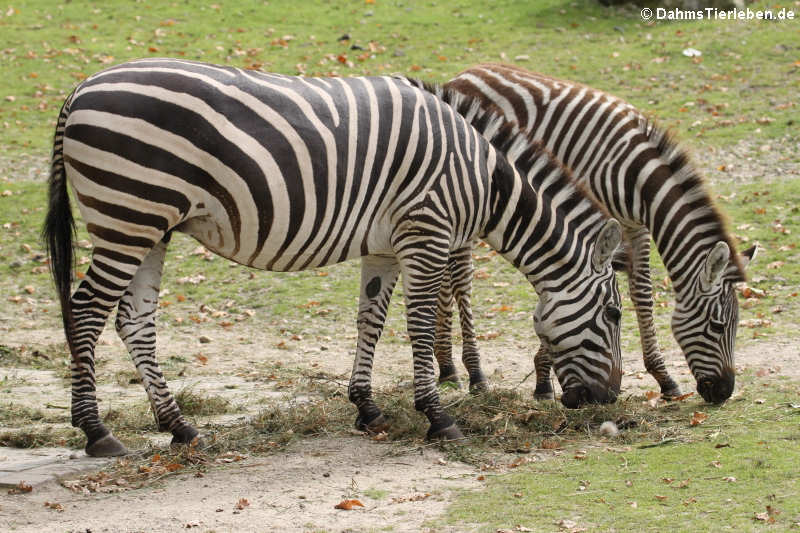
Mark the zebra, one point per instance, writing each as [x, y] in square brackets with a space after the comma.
[286, 173]
[570, 212]
[646, 181]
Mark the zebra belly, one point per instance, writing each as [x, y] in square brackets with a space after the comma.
[210, 232]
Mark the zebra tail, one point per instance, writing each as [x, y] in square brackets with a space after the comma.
[59, 226]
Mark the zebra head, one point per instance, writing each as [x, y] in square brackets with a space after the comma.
[705, 324]
[579, 324]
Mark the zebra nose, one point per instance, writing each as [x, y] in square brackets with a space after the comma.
[575, 397]
[717, 389]
[578, 396]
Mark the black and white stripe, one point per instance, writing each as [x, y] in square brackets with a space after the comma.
[285, 173]
[646, 181]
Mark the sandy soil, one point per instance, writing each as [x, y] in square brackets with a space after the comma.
[295, 490]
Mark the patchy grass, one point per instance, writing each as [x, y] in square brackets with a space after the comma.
[742, 86]
[503, 428]
[194, 403]
[733, 471]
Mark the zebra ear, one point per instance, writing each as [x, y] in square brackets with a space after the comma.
[607, 242]
[748, 255]
[715, 265]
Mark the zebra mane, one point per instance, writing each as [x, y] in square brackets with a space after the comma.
[694, 186]
[516, 145]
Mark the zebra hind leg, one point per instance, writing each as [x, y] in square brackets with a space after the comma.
[135, 325]
[641, 290]
[544, 387]
[378, 278]
[443, 340]
[461, 274]
[105, 282]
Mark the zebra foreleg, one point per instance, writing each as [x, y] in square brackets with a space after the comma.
[422, 264]
[461, 274]
[378, 278]
[542, 362]
[136, 327]
[102, 287]
[641, 290]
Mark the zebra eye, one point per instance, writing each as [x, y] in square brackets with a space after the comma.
[613, 313]
[716, 326]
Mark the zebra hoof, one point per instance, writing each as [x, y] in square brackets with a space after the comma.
[543, 395]
[108, 446]
[479, 386]
[378, 424]
[670, 389]
[450, 432]
[186, 436]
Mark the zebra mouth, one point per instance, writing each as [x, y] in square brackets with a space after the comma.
[576, 397]
[717, 389]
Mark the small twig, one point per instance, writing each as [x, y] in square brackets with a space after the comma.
[532, 372]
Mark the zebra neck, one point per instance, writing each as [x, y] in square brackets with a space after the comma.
[680, 216]
[529, 231]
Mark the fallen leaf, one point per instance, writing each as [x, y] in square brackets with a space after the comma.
[660, 498]
[241, 504]
[20, 488]
[54, 506]
[682, 397]
[698, 418]
[729, 479]
[347, 505]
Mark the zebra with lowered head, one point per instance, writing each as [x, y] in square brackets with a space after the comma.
[563, 224]
[287, 173]
[637, 172]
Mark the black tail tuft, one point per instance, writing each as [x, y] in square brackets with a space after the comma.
[59, 227]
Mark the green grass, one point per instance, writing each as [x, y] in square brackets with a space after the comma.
[747, 78]
[715, 476]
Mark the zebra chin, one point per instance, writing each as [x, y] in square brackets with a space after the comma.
[576, 397]
[717, 389]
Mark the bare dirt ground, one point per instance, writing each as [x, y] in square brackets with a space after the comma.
[295, 490]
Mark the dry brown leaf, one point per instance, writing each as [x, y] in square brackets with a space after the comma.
[698, 418]
[682, 397]
[347, 505]
[20, 488]
[241, 504]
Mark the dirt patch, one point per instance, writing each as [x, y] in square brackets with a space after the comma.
[292, 491]
[297, 489]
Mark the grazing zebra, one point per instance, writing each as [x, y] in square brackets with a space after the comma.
[284, 173]
[561, 232]
[646, 181]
